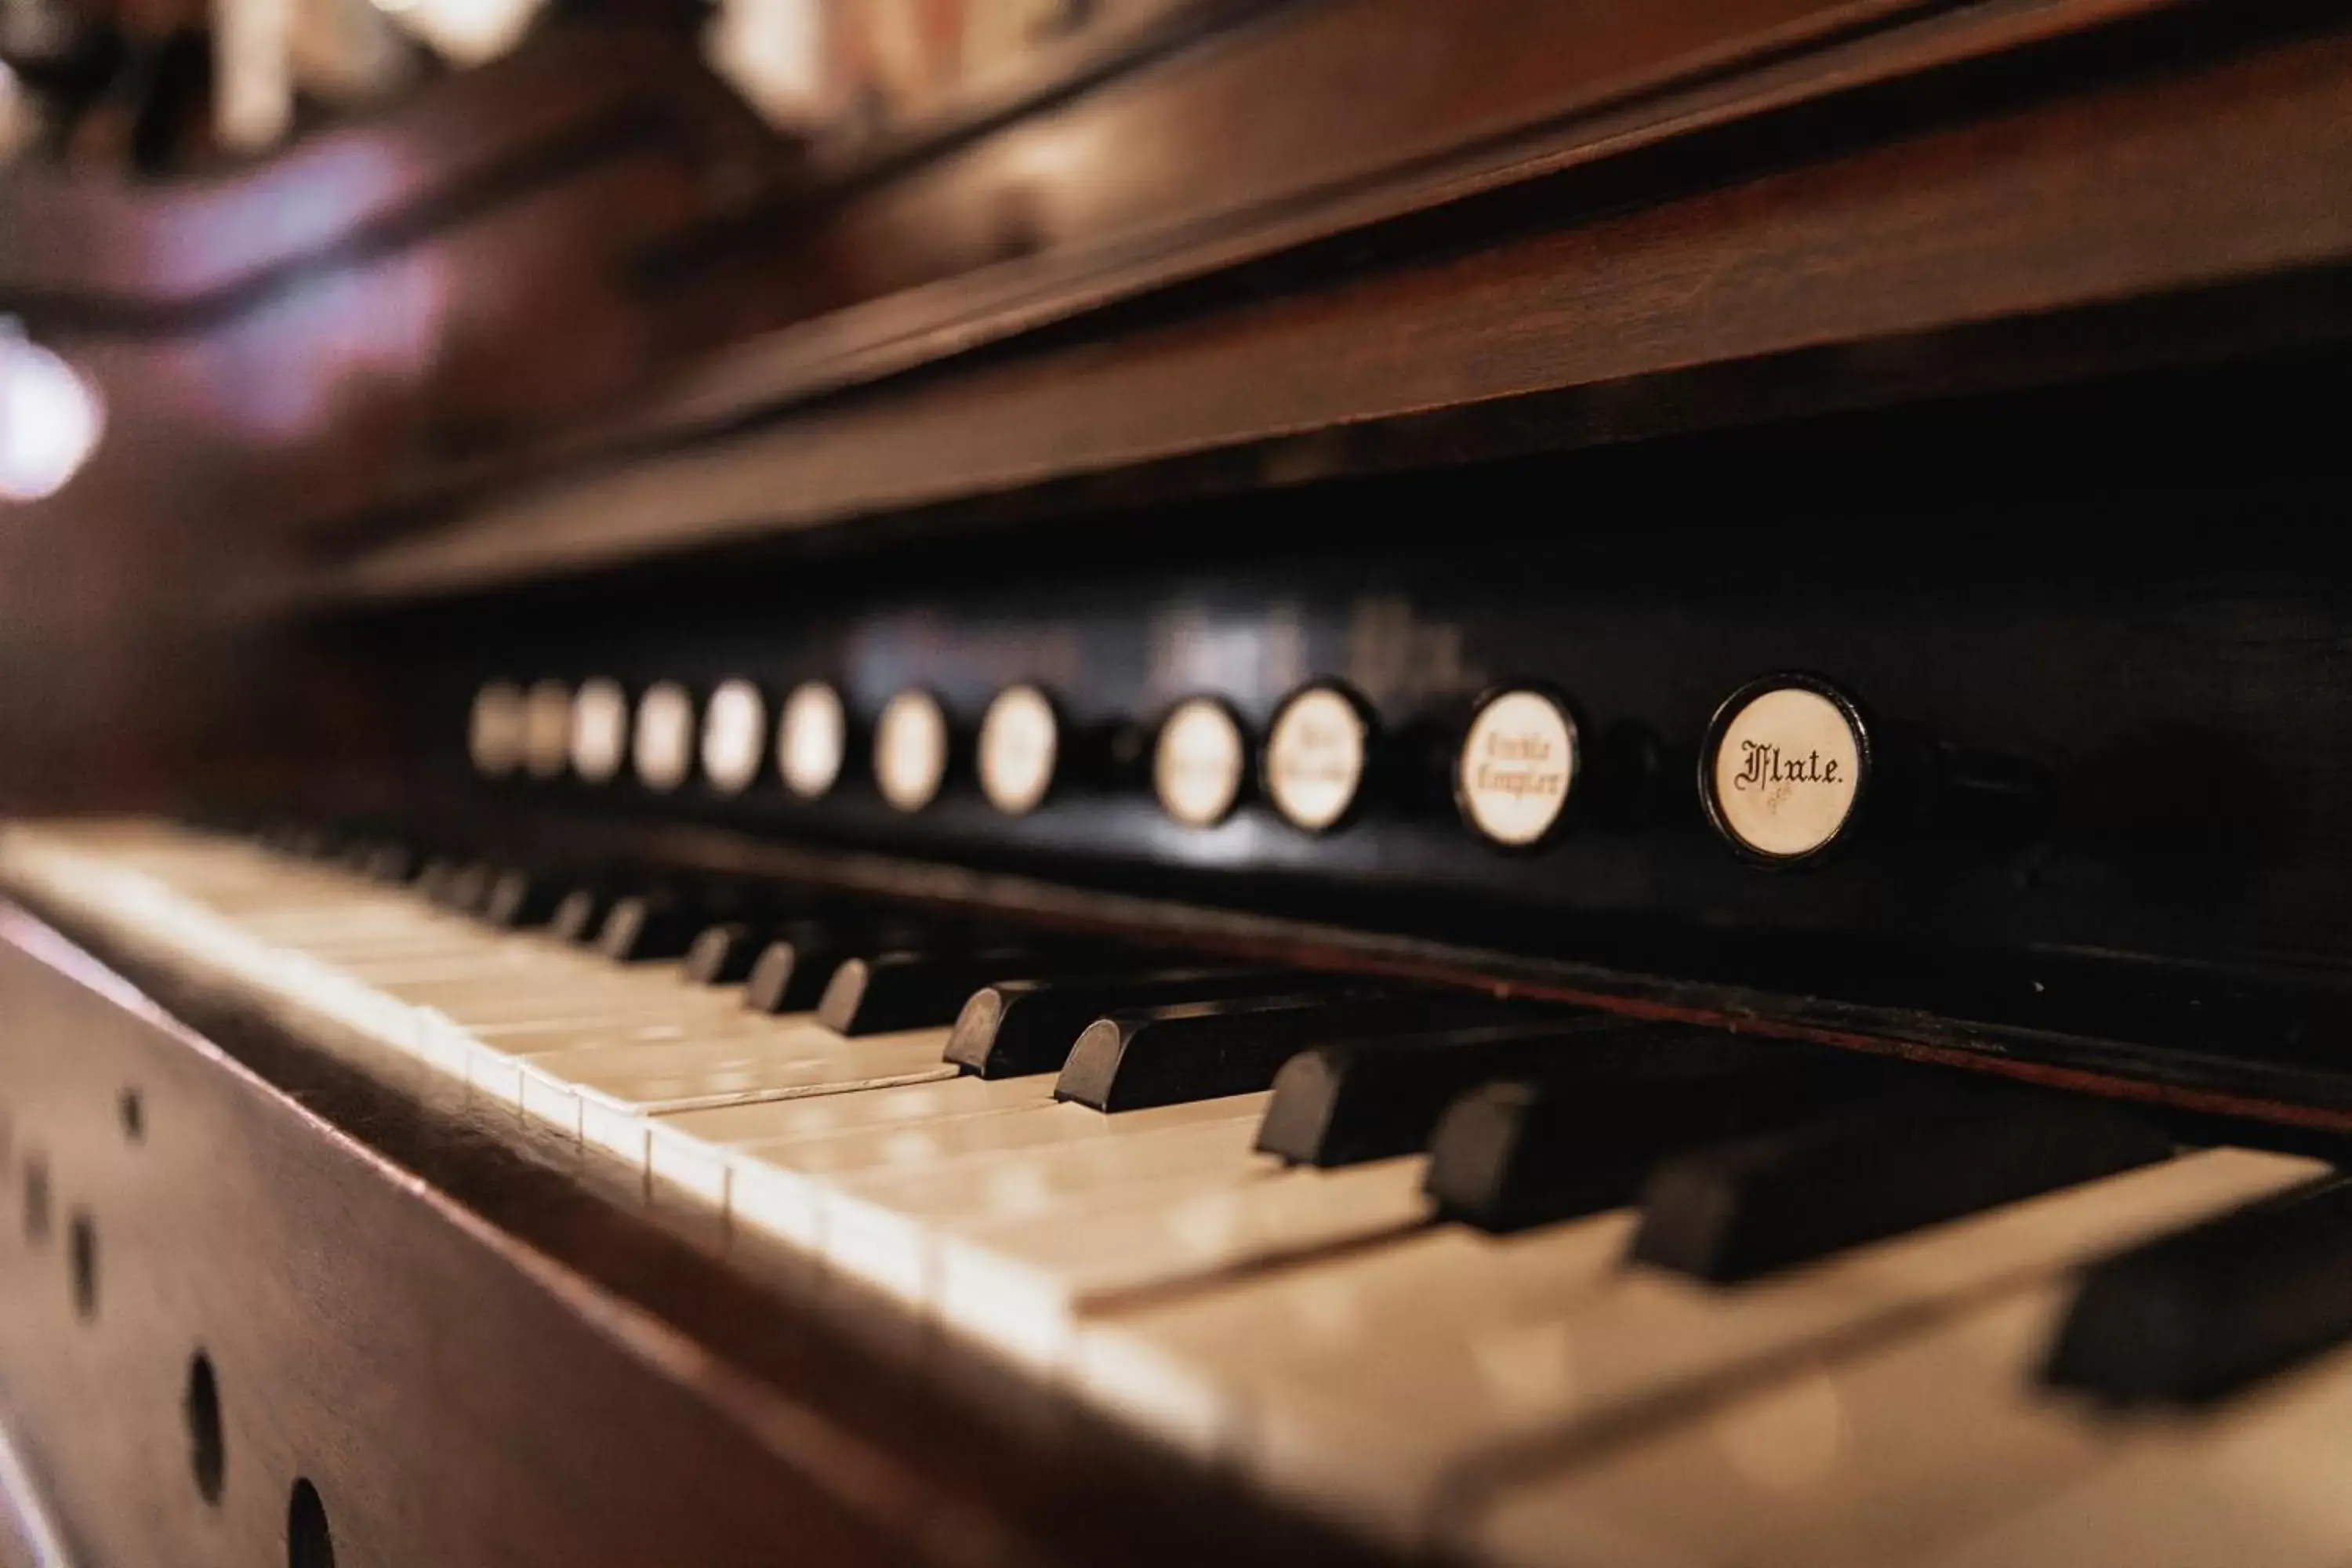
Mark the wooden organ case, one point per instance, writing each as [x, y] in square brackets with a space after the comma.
[1328, 780]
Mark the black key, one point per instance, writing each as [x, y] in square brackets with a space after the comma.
[723, 954]
[1028, 1025]
[519, 900]
[434, 876]
[353, 854]
[639, 929]
[885, 992]
[314, 843]
[797, 963]
[579, 915]
[1369, 1100]
[1583, 1136]
[1203, 1050]
[293, 839]
[391, 863]
[790, 973]
[465, 889]
[2202, 1313]
[1764, 1202]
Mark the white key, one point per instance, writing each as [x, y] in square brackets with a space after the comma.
[943, 1140]
[620, 1114]
[883, 1225]
[697, 1148]
[1870, 1457]
[2259, 1479]
[1025, 1285]
[696, 1077]
[550, 1024]
[781, 1121]
[1187, 1369]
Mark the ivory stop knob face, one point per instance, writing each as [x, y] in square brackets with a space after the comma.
[600, 730]
[1518, 767]
[494, 730]
[1201, 762]
[910, 749]
[1316, 753]
[1785, 768]
[1020, 744]
[812, 739]
[547, 729]
[664, 750]
[734, 736]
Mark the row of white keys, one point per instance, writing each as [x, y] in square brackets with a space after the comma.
[890, 1182]
[592, 1047]
[1524, 1396]
[1383, 1385]
[1029, 1286]
[624, 1071]
[619, 1110]
[697, 1150]
[490, 1005]
[964, 1198]
[868, 1198]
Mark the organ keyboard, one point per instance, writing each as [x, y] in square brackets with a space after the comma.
[1697, 1321]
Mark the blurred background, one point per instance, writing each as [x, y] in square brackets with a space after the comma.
[314, 302]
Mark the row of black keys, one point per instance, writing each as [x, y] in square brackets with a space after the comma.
[1746, 1157]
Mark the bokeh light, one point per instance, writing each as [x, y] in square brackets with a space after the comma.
[50, 418]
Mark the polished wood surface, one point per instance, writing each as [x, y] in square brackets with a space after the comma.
[290, 337]
[1325, 240]
[2086, 214]
[108, 252]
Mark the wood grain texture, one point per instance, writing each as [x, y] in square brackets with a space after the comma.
[1332, 120]
[1321, 121]
[2131, 192]
[113, 252]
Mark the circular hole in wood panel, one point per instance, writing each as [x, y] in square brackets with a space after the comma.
[82, 1247]
[133, 1111]
[307, 1544]
[37, 1199]
[207, 1455]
